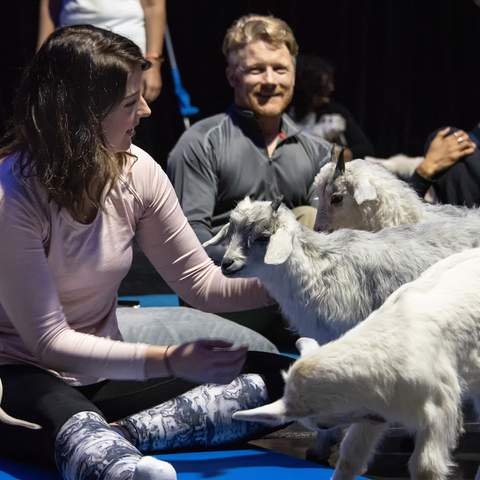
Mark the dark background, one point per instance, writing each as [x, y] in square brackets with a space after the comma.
[404, 67]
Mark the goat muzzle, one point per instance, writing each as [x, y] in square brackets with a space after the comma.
[229, 266]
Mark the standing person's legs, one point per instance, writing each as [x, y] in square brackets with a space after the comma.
[74, 433]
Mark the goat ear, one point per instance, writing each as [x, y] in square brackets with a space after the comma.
[364, 191]
[279, 248]
[340, 166]
[218, 238]
[272, 414]
[277, 202]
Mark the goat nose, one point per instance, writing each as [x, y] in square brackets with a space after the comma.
[227, 264]
[231, 266]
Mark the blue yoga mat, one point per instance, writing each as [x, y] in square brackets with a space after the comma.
[211, 465]
[163, 300]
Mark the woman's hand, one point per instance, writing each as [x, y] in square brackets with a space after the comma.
[201, 361]
[444, 151]
[207, 361]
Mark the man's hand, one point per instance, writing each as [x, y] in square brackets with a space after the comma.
[444, 151]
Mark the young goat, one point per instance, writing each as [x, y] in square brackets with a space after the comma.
[409, 362]
[364, 195]
[6, 418]
[327, 283]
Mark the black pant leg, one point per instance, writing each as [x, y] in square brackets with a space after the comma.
[270, 366]
[36, 395]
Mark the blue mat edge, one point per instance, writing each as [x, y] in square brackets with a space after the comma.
[212, 464]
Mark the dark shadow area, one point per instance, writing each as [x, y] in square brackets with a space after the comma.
[402, 68]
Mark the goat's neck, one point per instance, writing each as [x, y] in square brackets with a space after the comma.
[296, 273]
[398, 208]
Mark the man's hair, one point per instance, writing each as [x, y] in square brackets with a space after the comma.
[251, 28]
[75, 79]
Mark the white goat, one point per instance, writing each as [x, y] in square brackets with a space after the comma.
[408, 362]
[364, 195]
[404, 167]
[327, 283]
[6, 418]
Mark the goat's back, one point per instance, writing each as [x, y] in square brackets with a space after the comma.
[336, 280]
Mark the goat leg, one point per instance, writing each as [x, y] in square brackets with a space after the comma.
[356, 449]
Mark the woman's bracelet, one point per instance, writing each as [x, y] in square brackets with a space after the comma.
[167, 363]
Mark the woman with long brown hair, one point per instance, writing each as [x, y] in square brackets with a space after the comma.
[74, 193]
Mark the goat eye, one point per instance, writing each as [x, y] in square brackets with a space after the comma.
[263, 239]
[260, 239]
[336, 199]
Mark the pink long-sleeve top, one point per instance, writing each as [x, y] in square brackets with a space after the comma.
[59, 278]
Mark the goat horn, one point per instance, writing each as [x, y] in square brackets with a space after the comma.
[340, 167]
[277, 202]
[218, 238]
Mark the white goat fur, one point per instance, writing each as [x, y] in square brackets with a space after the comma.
[372, 198]
[327, 283]
[404, 167]
[6, 418]
[409, 362]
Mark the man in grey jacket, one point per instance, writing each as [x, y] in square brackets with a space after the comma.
[254, 148]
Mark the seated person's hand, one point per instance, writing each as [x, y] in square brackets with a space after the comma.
[207, 361]
[444, 151]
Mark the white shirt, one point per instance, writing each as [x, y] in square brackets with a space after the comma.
[125, 17]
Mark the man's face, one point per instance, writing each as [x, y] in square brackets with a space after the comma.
[263, 77]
